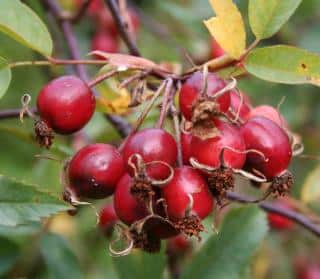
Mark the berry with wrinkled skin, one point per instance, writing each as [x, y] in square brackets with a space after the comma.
[185, 181]
[265, 136]
[191, 89]
[95, 170]
[107, 218]
[153, 145]
[270, 113]
[126, 206]
[207, 151]
[66, 104]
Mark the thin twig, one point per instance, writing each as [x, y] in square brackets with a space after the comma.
[165, 102]
[56, 62]
[14, 113]
[123, 27]
[175, 118]
[69, 35]
[81, 11]
[123, 126]
[145, 112]
[101, 78]
[286, 212]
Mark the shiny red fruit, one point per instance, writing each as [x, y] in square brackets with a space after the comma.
[95, 170]
[243, 107]
[105, 42]
[270, 113]
[128, 209]
[186, 147]
[187, 181]
[216, 49]
[153, 145]
[191, 89]
[229, 139]
[107, 217]
[66, 104]
[267, 137]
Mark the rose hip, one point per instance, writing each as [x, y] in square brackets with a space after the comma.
[95, 170]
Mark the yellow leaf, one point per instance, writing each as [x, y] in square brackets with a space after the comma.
[112, 99]
[227, 27]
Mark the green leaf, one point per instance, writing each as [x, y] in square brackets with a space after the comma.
[19, 231]
[267, 17]
[19, 22]
[225, 255]
[5, 76]
[141, 265]
[20, 203]
[8, 255]
[284, 64]
[59, 258]
[310, 191]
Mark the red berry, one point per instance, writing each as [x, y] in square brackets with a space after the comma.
[216, 49]
[104, 42]
[270, 113]
[207, 151]
[186, 147]
[187, 181]
[66, 104]
[95, 7]
[134, 20]
[310, 272]
[95, 170]
[126, 206]
[277, 221]
[105, 22]
[153, 145]
[236, 106]
[178, 244]
[107, 218]
[191, 89]
[265, 136]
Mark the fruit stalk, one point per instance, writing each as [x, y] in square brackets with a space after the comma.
[288, 213]
[122, 26]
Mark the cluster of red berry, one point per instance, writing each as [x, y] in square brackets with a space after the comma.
[106, 37]
[156, 198]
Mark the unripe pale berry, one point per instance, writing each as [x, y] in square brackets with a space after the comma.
[270, 113]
